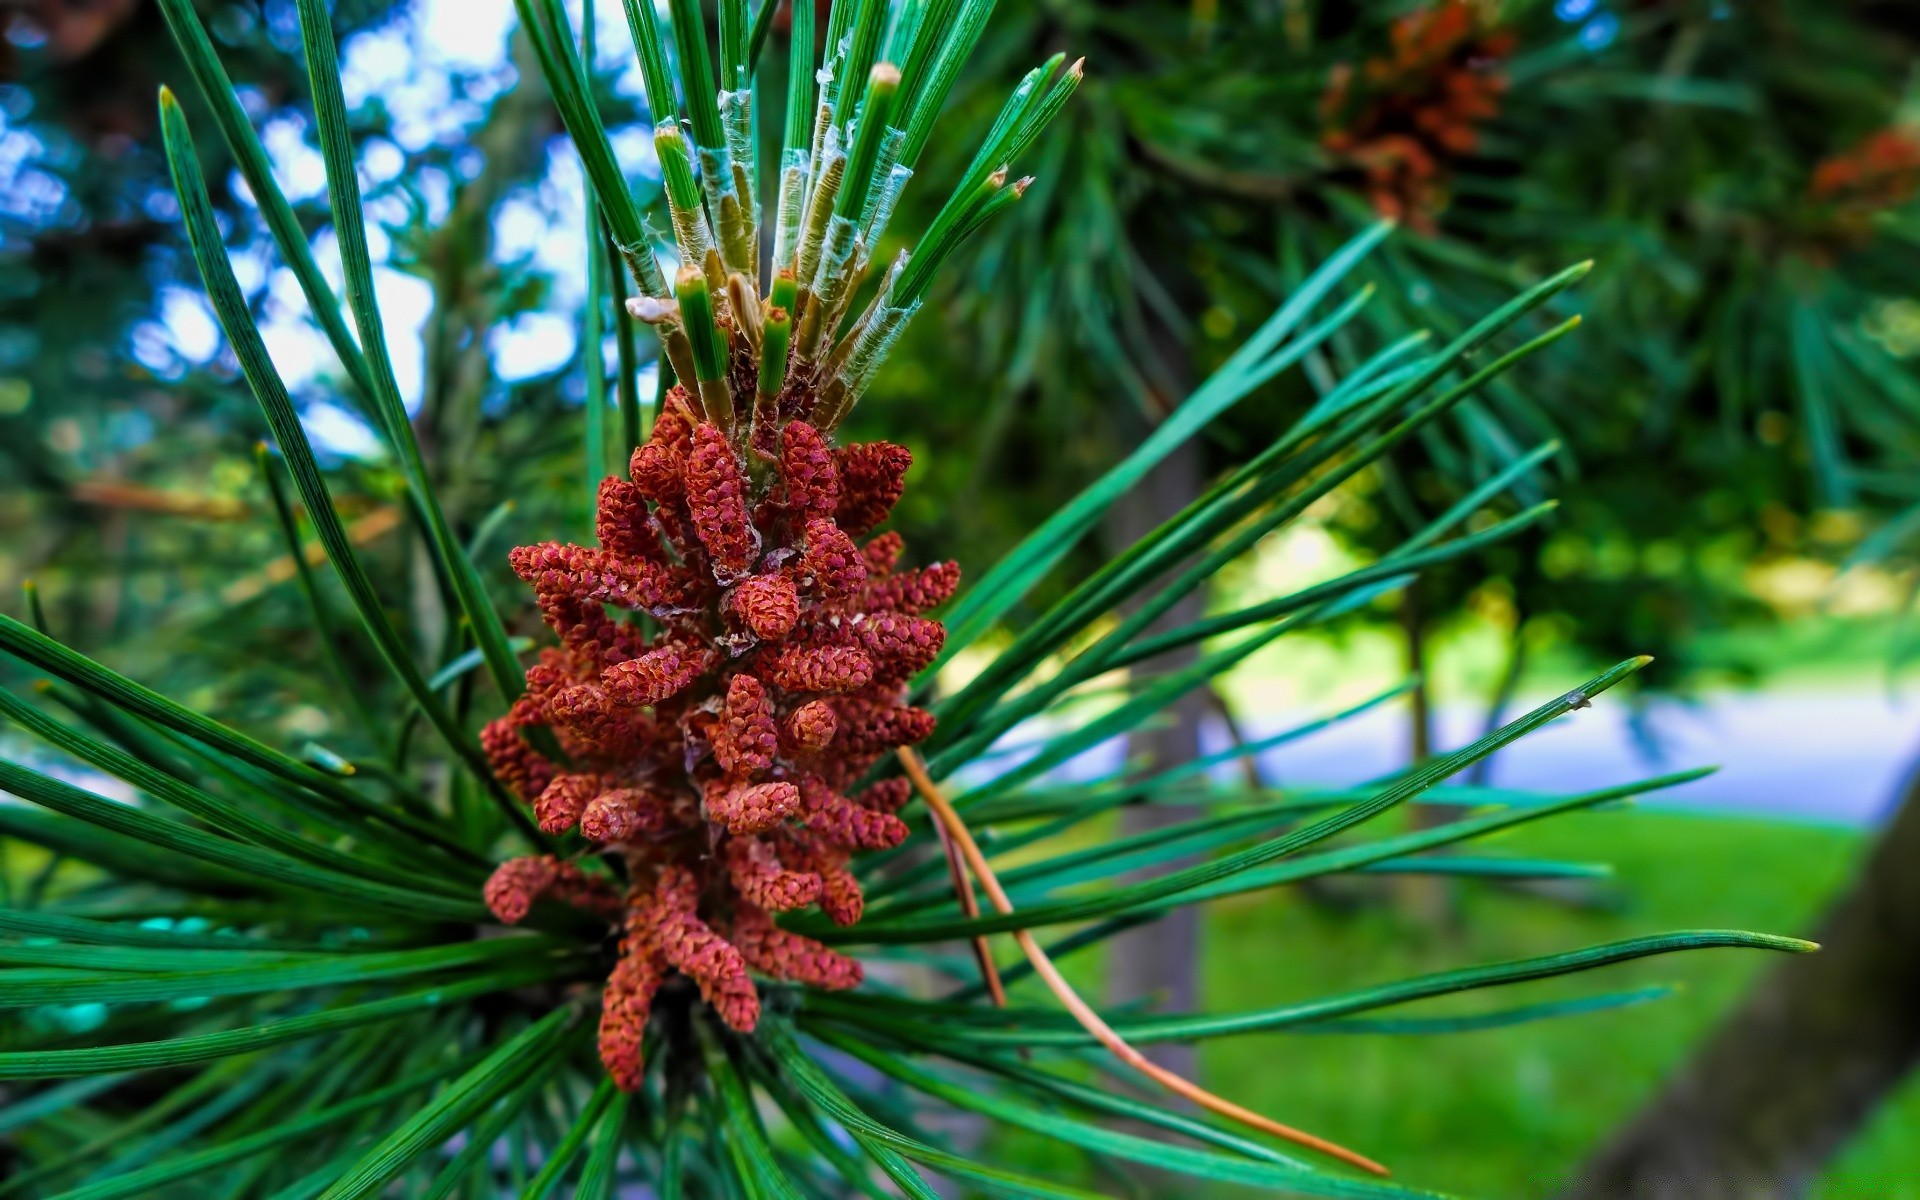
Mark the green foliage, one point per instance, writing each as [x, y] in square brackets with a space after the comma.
[89, 390]
[1743, 359]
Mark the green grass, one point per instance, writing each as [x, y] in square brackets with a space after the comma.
[1508, 1113]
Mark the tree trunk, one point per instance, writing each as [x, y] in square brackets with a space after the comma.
[1792, 1073]
[1428, 899]
[1481, 773]
[1413, 631]
[1160, 962]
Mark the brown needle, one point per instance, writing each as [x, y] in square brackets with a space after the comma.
[970, 905]
[1082, 1012]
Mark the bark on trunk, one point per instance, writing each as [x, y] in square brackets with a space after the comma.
[1481, 773]
[1160, 962]
[1413, 630]
[1785, 1080]
[1428, 899]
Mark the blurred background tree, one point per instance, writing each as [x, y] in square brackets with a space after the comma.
[106, 404]
[128, 437]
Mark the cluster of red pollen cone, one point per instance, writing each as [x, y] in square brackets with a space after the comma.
[717, 757]
[1410, 113]
[1881, 172]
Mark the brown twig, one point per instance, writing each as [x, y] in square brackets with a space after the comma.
[375, 525]
[1082, 1012]
[118, 493]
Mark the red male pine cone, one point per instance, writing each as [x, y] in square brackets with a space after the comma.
[713, 756]
[1403, 120]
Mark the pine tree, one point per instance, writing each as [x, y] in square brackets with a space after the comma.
[318, 973]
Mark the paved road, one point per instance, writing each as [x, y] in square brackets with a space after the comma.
[1804, 755]
[1827, 756]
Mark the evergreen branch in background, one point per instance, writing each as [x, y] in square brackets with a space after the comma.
[349, 221]
[237, 321]
[283, 225]
[196, 49]
[995, 594]
[144, 704]
[323, 621]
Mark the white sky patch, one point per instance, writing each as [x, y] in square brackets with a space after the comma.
[432, 70]
[531, 345]
[562, 253]
[326, 252]
[406, 301]
[297, 166]
[613, 48]
[190, 323]
[303, 356]
[183, 332]
[375, 62]
[379, 213]
[435, 190]
[544, 227]
[470, 34]
[633, 149]
[299, 352]
[518, 227]
[409, 65]
[334, 430]
[382, 160]
[283, 290]
[647, 382]
[250, 268]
